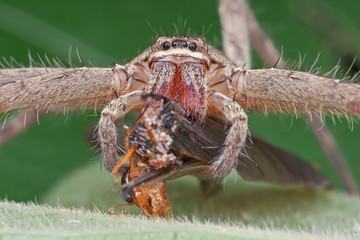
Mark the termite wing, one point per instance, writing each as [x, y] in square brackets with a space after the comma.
[196, 145]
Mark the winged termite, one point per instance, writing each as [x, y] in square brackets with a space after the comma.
[164, 145]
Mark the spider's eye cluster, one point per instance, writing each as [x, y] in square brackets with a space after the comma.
[181, 44]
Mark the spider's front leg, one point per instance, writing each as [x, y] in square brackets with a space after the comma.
[107, 132]
[235, 139]
[128, 79]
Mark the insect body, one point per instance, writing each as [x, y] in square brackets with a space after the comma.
[163, 132]
[151, 199]
[156, 148]
[148, 147]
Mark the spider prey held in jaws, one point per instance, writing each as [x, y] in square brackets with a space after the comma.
[164, 145]
[204, 83]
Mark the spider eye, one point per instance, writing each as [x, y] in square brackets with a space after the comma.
[166, 45]
[192, 46]
[184, 44]
[174, 43]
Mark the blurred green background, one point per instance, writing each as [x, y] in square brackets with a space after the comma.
[36, 162]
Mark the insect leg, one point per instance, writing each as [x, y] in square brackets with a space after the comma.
[235, 138]
[107, 133]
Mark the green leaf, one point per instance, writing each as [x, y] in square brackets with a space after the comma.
[30, 221]
[254, 210]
